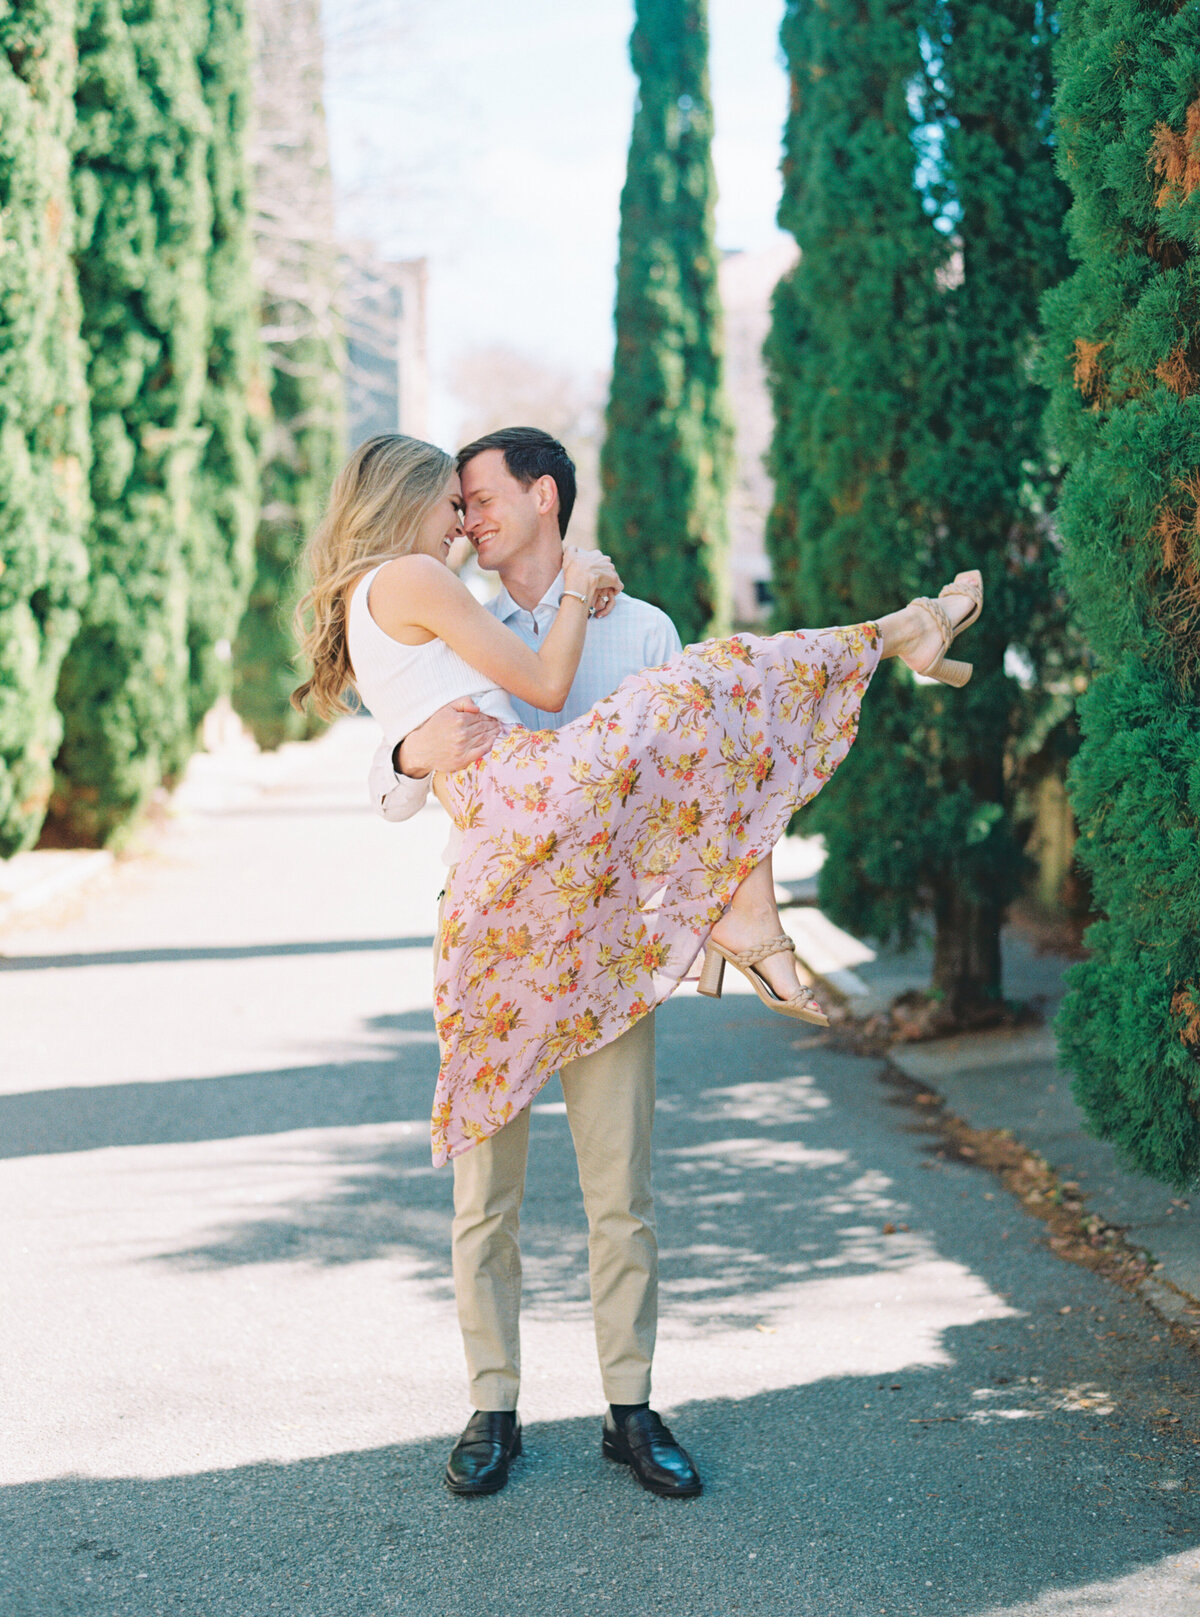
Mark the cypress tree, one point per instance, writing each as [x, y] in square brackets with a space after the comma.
[303, 446]
[906, 446]
[296, 265]
[143, 208]
[43, 407]
[1123, 345]
[234, 403]
[665, 462]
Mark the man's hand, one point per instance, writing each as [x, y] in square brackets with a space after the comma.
[454, 737]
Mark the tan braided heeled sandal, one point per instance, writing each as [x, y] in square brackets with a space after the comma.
[941, 667]
[802, 1003]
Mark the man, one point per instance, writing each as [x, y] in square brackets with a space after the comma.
[518, 490]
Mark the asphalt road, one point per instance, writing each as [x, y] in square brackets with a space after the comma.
[229, 1365]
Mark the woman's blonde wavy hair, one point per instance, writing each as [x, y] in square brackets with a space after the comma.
[376, 506]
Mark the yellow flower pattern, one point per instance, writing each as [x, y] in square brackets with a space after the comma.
[596, 858]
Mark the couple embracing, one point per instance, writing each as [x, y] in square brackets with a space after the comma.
[615, 801]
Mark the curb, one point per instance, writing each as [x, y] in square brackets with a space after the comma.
[829, 953]
[1170, 1288]
[1021, 1067]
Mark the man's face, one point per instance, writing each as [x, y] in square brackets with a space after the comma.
[500, 518]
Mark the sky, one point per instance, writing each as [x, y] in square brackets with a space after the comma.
[492, 140]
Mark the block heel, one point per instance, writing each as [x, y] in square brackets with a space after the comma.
[950, 672]
[712, 974]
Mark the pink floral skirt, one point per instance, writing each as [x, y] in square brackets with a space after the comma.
[595, 859]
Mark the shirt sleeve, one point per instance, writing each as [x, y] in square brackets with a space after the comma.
[396, 797]
[662, 641]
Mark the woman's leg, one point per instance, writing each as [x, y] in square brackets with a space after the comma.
[752, 917]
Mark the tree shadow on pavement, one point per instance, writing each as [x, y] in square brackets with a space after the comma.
[189, 954]
[902, 1402]
[821, 1501]
[329, 1095]
[763, 1187]
[754, 1184]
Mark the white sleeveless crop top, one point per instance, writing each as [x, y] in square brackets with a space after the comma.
[405, 685]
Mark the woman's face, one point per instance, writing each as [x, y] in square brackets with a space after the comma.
[443, 524]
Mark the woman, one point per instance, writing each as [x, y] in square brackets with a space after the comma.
[596, 860]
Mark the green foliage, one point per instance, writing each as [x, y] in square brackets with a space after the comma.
[234, 405]
[907, 434]
[144, 226]
[305, 446]
[43, 407]
[665, 464]
[1123, 350]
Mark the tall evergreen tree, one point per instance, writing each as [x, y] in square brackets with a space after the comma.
[665, 463]
[919, 185]
[144, 226]
[43, 407]
[1124, 346]
[296, 266]
[234, 406]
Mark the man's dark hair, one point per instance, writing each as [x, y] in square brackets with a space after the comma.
[530, 453]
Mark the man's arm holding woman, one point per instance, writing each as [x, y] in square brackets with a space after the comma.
[454, 737]
[428, 597]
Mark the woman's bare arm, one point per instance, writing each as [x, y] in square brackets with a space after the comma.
[418, 592]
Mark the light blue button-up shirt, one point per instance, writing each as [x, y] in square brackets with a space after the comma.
[633, 636]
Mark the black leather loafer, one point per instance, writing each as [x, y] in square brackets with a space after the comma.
[479, 1461]
[647, 1447]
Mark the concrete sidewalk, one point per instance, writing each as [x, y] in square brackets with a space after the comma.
[1010, 1079]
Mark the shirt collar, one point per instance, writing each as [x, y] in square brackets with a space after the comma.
[507, 608]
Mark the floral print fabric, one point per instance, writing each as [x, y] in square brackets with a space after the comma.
[596, 858]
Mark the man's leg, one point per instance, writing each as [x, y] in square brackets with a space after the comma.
[489, 1183]
[610, 1107]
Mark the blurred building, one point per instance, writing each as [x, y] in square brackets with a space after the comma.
[747, 282]
[387, 360]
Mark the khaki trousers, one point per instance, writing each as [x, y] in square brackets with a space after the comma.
[610, 1108]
